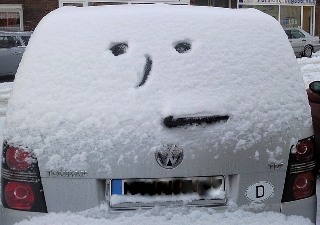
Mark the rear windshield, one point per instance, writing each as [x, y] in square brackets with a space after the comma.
[118, 85]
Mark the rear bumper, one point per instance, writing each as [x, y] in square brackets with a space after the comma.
[9, 216]
[316, 47]
[305, 207]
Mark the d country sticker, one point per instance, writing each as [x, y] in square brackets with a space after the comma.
[260, 191]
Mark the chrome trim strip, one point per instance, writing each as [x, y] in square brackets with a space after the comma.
[19, 176]
[302, 167]
[198, 203]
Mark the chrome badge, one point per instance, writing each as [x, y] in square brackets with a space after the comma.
[169, 156]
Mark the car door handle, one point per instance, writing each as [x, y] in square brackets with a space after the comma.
[304, 40]
[17, 53]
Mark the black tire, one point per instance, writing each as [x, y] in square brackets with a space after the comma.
[307, 52]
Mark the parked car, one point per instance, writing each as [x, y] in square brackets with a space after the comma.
[303, 43]
[158, 109]
[12, 47]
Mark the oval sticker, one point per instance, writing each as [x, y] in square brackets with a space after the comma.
[260, 191]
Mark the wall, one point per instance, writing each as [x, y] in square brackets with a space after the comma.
[33, 10]
[317, 29]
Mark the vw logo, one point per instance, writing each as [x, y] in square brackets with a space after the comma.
[169, 156]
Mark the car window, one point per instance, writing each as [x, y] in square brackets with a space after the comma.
[288, 32]
[9, 42]
[297, 34]
[25, 39]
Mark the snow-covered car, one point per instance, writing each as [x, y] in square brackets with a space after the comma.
[12, 47]
[302, 42]
[142, 105]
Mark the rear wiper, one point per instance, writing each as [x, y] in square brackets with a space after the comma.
[170, 122]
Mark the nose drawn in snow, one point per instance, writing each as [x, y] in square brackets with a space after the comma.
[147, 69]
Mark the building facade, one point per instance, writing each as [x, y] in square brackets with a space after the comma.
[289, 13]
[19, 15]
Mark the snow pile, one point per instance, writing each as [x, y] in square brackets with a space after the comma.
[166, 216]
[75, 102]
[310, 68]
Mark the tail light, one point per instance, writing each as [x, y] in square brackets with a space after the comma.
[19, 195]
[301, 172]
[18, 159]
[21, 186]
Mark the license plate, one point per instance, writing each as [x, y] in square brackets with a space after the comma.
[132, 193]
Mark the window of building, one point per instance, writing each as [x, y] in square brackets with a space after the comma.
[272, 10]
[297, 14]
[11, 18]
[290, 16]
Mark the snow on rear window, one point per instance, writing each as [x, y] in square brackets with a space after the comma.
[75, 100]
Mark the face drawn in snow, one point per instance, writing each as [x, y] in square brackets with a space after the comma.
[120, 48]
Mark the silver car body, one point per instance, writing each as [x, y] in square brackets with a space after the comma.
[12, 47]
[155, 104]
[300, 40]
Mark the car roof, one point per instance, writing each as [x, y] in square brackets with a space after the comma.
[299, 29]
[18, 33]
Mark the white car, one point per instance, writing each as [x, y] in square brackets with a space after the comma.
[143, 105]
[303, 43]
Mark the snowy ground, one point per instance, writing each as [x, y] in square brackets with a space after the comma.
[310, 69]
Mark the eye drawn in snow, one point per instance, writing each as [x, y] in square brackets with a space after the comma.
[260, 191]
[182, 47]
[169, 156]
[119, 48]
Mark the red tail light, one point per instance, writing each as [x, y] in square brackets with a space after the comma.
[304, 150]
[301, 172]
[19, 195]
[21, 186]
[18, 159]
[303, 185]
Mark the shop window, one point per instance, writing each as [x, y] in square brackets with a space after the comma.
[272, 10]
[10, 21]
[290, 16]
